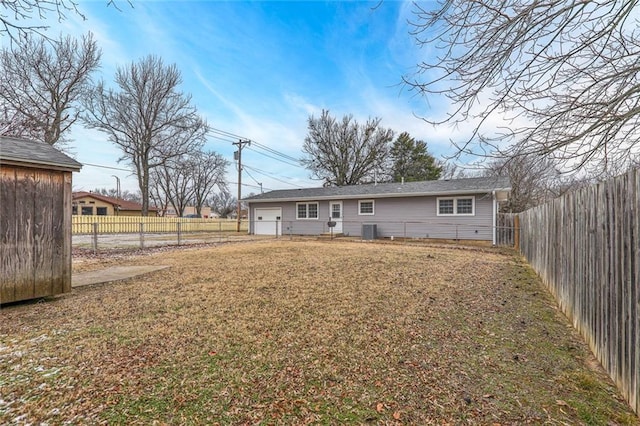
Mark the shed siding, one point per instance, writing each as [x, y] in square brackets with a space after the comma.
[8, 234]
[411, 217]
[36, 256]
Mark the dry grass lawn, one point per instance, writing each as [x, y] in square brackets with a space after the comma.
[306, 332]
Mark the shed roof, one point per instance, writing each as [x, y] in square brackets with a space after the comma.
[24, 152]
[389, 190]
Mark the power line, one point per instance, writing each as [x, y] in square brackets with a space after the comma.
[224, 132]
[270, 176]
[276, 158]
[106, 167]
[273, 151]
[222, 138]
[255, 169]
[254, 179]
[226, 136]
[249, 185]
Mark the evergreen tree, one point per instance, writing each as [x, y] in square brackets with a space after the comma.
[411, 160]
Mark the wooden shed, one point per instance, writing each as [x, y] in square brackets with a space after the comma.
[35, 220]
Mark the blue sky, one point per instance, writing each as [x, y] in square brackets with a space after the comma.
[258, 70]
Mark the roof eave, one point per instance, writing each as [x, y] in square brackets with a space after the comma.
[391, 195]
[53, 166]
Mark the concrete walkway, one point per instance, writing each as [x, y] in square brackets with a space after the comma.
[114, 273]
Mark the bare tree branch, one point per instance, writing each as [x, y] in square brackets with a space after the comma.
[564, 76]
[41, 85]
[21, 18]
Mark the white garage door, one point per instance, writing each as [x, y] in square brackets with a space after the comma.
[268, 221]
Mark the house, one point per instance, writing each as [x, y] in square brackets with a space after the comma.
[91, 203]
[190, 211]
[35, 220]
[447, 209]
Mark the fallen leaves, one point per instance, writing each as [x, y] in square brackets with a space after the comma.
[290, 333]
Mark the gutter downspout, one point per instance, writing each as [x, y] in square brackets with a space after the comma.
[495, 214]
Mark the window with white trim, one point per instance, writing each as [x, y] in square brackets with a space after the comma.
[365, 207]
[456, 206]
[307, 210]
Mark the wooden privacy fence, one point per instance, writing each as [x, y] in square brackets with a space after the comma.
[585, 247]
[136, 224]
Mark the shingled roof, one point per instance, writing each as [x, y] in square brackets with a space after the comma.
[116, 202]
[389, 190]
[23, 152]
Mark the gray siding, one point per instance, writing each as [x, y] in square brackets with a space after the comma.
[411, 217]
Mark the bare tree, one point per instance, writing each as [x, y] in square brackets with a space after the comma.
[186, 180]
[451, 170]
[534, 180]
[208, 171]
[344, 152]
[171, 184]
[24, 17]
[223, 203]
[41, 84]
[147, 118]
[563, 74]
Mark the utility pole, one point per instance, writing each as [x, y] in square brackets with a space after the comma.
[117, 186]
[116, 208]
[238, 156]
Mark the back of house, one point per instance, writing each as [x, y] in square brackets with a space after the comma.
[456, 209]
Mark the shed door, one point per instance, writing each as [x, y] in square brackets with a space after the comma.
[268, 221]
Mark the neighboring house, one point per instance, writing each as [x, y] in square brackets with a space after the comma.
[91, 203]
[35, 220]
[244, 214]
[190, 211]
[448, 209]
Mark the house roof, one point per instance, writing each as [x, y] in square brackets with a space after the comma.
[24, 152]
[116, 202]
[389, 190]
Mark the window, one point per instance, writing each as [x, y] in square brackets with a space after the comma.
[445, 207]
[336, 211]
[74, 209]
[456, 206]
[87, 210]
[101, 211]
[464, 206]
[365, 207]
[307, 210]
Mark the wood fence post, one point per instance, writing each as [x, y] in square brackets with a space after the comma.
[95, 237]
[516, 232]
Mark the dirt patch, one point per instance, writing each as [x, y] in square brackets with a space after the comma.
[304, 332]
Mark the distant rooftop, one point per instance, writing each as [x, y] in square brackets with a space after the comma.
[116, 202]
[388, 190]
[25, 152]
